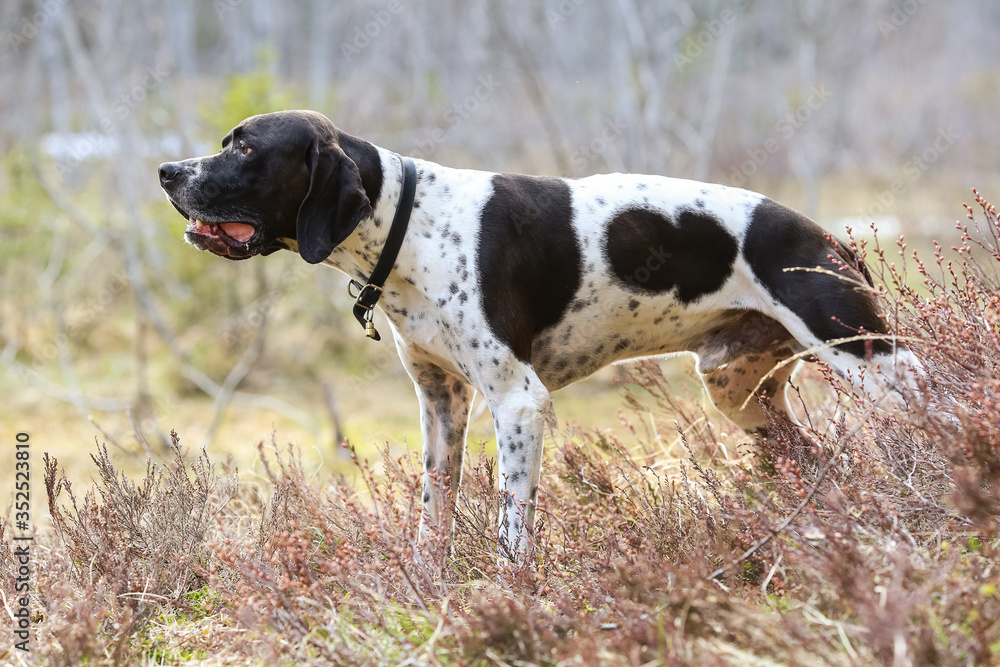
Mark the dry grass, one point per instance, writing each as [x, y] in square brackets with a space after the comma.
[875, 544]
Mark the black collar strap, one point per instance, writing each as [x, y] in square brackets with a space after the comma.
[367, 296]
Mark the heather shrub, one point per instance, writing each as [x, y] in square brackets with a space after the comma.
[678, 541]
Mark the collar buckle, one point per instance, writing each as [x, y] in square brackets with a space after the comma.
[360, 298]
[366, 298]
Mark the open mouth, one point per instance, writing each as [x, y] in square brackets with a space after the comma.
[232, 233]
[232, 240]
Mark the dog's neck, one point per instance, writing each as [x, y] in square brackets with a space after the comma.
[408, 288]
[357, 254]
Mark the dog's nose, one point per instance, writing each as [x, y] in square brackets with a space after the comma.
[169, 172]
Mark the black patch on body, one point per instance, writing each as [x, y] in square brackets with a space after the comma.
[779, 238]
[651, 253]
[529, 258]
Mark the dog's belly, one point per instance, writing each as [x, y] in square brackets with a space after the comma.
[600, 335]
[717, 333]
[558, 365]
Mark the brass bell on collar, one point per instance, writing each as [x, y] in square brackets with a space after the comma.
[370, 329]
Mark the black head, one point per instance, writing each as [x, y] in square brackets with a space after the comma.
[279, 176]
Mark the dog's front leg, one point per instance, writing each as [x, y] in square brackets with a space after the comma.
[445, 401]
[519, 402]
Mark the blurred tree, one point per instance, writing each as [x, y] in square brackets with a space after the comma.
[244, 95]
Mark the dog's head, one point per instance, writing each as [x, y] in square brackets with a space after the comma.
[278, 176]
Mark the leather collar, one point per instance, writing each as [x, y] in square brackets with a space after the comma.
[368, 295]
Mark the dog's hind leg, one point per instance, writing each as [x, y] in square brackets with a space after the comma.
[818, 289]
[730, 386]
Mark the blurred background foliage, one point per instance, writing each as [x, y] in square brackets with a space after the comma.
[855, 112]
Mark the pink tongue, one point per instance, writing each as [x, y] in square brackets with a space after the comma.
[237, 230]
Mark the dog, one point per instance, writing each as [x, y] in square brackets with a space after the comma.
[515, 286]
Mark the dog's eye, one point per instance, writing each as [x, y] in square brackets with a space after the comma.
[245, 149]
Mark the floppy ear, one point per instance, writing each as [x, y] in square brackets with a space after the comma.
[335, 204]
